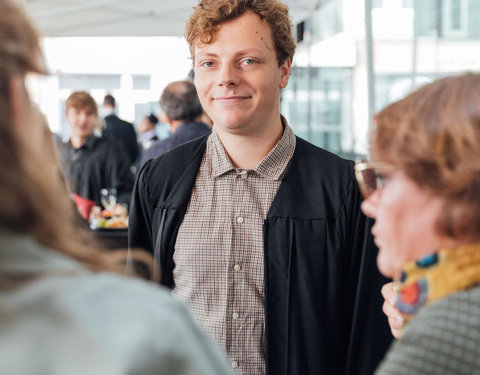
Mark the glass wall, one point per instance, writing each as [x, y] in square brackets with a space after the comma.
[317, 103]
[412, 41]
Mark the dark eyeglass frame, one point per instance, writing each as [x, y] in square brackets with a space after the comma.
[362, 167]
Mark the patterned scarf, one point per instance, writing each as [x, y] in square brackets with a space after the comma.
[436, 276]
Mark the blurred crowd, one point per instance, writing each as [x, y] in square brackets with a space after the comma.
[106, 153]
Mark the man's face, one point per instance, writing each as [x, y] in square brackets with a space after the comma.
[82, 122]
[238, 79]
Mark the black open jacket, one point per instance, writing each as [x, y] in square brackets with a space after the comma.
[322, 288]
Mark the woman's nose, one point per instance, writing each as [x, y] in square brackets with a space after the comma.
[370, 205]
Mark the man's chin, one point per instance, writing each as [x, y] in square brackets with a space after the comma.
[231, 124]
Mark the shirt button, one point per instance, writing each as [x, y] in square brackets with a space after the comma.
[235, 316]
[236, 267]
[240, 220]
[234, 364]
[243, 174]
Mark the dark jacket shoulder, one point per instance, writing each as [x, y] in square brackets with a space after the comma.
[315, 185]
[161, 175]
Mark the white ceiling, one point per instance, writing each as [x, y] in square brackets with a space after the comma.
[125, 17]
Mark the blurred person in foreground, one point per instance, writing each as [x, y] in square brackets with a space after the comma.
[90, 162]
[60, 311]
[259, 231]
[182, 109]
[148, 135]
[120, 130]
[423, 190]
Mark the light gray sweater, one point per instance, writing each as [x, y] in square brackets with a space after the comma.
[58, 318]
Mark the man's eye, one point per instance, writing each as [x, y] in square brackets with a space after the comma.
[248, 62]
[207, 64]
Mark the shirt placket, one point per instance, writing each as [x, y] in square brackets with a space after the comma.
[234, 315]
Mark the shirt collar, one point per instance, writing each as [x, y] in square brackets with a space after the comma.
[220, 161]
[271, 167]
[147, 136]
[89, 143]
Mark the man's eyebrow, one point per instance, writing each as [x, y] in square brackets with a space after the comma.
[249, 51]
[206, 54]
[238, 53]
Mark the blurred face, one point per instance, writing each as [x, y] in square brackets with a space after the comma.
[405, 217]
[82, 122]
[145, 125]
[237, 76]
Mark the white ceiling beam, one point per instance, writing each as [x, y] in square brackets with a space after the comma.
[61, 11]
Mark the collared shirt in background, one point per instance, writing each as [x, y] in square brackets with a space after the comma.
[99, 163]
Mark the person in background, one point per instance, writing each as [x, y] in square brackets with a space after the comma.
[64, 309]
[148, 135]
[423, 190]
[182, 109]
[92, 163]
[120, 130]
[259, 231]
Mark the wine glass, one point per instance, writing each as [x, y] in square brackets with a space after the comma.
[108, 197]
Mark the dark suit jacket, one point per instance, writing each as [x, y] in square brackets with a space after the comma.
[124, 133]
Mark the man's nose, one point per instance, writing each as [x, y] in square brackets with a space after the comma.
[228, 76]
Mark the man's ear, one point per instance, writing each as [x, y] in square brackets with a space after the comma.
[18, 99]
[285, 69]
[168, 119]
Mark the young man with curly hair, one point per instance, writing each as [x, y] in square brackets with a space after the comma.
[259, 231]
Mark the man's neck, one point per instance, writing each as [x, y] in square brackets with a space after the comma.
[174, 125]
[246, 151]
[108, 111]
[78, 142]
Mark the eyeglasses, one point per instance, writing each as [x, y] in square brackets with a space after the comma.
[371, 176]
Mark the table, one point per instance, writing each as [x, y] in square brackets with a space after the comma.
[112, 238]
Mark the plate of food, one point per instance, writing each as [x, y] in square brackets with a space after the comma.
[115, 219]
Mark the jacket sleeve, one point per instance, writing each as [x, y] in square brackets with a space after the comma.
[369, 332]
[141, 212]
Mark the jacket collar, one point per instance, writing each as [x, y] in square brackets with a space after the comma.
[310, 169]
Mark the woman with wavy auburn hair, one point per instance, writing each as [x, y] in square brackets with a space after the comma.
[423, 190]
[58, 313]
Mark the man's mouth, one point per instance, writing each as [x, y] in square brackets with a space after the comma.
[231, 100]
